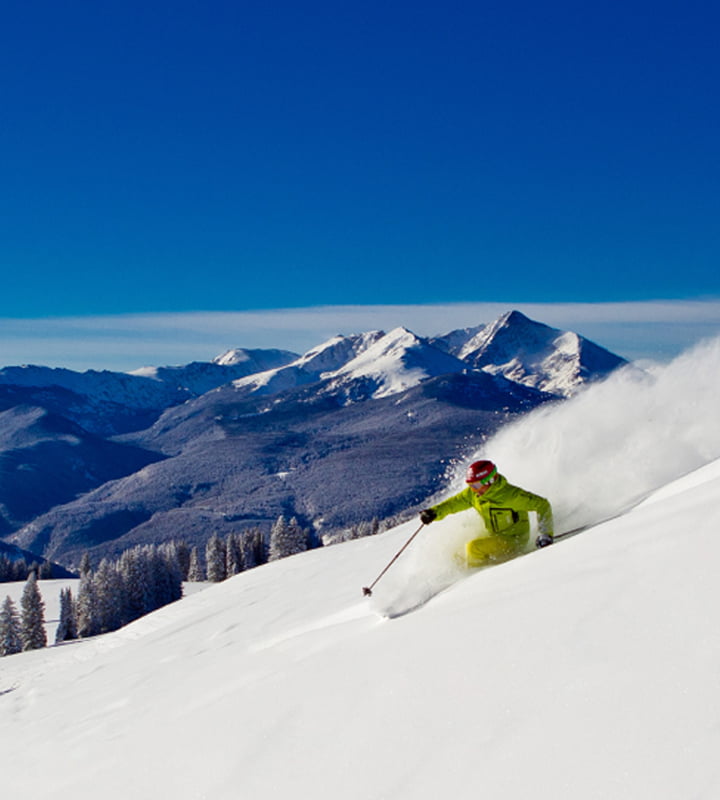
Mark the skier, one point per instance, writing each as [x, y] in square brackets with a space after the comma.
[504, 510]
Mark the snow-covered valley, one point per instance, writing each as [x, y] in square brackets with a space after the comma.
[585, 670]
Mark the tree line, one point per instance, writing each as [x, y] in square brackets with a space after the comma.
[14, 570]
[143, 579]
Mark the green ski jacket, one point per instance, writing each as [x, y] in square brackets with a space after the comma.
[504, 509]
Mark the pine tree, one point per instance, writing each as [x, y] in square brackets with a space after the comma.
[169, 573]
[286, 539]
[215, 559]
[152, 577]
[254, 549]
[234, 561]
[133, 568]
[195, 571]
[108, 597]
[32, 624]
[182, 550]
[67, 627]
[85, 566]
[85, 607]
[10, 641]
[278, 534]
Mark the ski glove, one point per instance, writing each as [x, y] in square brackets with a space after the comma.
[427, 516]
[544, 540]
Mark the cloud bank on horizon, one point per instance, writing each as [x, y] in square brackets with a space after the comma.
[654, 330]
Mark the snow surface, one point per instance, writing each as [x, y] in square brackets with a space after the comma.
[396, 362]
[329, 356]
[590, 669]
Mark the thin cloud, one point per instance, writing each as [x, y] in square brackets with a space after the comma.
[641, 330]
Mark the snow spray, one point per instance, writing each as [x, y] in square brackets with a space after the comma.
[603, 450]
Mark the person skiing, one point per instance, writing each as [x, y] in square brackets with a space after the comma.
[504, 509]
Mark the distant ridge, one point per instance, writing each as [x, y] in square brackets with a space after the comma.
[326, 436]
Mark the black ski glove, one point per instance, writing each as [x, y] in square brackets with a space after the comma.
[544, 540]
[427, 516]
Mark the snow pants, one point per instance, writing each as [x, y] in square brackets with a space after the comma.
[492, 549]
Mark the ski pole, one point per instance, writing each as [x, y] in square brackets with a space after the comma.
[367, 590]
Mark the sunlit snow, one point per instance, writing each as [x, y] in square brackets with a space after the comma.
[585, 670]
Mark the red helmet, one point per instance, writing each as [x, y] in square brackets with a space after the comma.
[481, 471]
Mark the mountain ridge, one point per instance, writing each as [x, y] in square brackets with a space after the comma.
[362, 406]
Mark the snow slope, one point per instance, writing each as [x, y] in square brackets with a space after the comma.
[589, 669]
[309, 367]
[585, 670]
[394, 363]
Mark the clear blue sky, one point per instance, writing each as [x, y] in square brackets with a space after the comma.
[200, 155]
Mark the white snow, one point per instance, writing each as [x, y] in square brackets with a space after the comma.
[590, 669]
[396, 362]
[619, 440]
[529, 353]
[329, 356]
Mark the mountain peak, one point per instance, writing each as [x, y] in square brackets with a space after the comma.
[232, 357]
[334, 353]
[397, 361]
[537, 355]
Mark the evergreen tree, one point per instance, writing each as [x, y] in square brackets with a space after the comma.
[19, 571]
[108, 597]
[254, 549]
[135, 578]
[234, 561]
[366, 528]
[195, 571]
[152, 577]
[182, 550]
[278, 534]
[215, 559]
[67, 628]
[32, 624]
[286, 539]
[85, 607]
[168, 574]
[12, 570]
[10, 641]
[85, 566]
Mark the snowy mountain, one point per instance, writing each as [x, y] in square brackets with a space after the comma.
[236, 463]
[108, 403]
[585, 670]
[310, 367]
[132, 391]
[199, 377]
[533, 354]
[282, 434]
[394, 363]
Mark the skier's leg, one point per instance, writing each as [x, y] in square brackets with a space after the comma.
[491, 549]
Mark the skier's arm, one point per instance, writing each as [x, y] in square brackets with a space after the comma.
[527, 501]
[458, 502]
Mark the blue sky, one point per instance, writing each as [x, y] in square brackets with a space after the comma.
[175, 177]
[234, 156]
